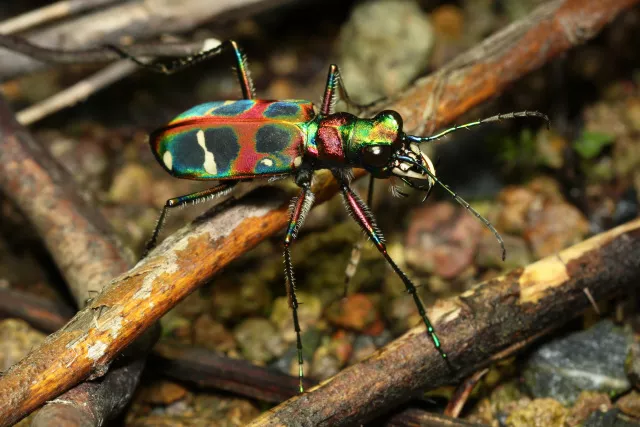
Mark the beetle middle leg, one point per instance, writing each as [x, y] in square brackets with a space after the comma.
[300, 206]
[361, 214]
[171, 67]
[216, 191]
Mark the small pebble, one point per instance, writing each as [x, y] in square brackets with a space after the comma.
[356, 311]
[213, 335]
[630, 404]
[17, 339]
[442, 239]
[259, 340]
[163, 393]
[586, 404]
[540, 412]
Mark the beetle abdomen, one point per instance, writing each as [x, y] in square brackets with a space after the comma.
[209, 142]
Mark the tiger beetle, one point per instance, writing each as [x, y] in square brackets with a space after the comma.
[232, 141]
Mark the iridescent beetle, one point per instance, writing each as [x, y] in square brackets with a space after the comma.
[229, 141]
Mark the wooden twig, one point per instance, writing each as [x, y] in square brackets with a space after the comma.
[138, 19]
[51, 12]
[135, 300]
[484, 70]
[480, 322]
[462, 393]
[38, 312]
[199, 366]
[83, 89]
[76, 93]
[82, 245]
[98, 54]
[211, 370]
[75, 233]
[189, 258]
[414, 417]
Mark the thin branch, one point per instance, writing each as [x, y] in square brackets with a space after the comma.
[38, 312]
[190, 257]
[211, 370]
[76, 93]
[134, 301]
[48, 13]
[98, 54]
[478, 323]
[199, 366]
[414, 417]
[75, 233]
[137, 19]
[478, 74]
[462, 393]
[81, 243]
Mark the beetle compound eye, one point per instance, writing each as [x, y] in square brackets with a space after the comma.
[376, 156]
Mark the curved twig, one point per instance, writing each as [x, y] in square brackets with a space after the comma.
[98, 54]
[48, 13]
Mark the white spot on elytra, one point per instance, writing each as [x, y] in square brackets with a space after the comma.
[167, 158]
[209, 161]
[96, 351]
[297, 161]
[267, 162]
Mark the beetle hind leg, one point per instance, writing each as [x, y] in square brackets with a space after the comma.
[216, 191]
[171, 67]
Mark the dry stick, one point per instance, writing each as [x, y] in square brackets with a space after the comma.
[134, 19]
[80, 242]
[78, 92]
[462, 393]
[414, 417]
[208, 369]
[83, 89]
[481, 72]
[51, 12]
[135, 300]
[98, 54]
[75, 233]
[482, 321]
[40, 313]
[195, 365]
[199, 366]
[87, 349]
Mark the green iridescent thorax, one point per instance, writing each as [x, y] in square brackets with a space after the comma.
[383, 131]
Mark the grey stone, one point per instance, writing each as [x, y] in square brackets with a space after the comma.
[588, 360]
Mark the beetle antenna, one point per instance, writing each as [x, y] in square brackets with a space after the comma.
[496, 118]
[458, 199]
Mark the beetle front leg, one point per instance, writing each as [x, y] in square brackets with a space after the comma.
[216, 191]
[361, 214]
[300, 206]
[356, 251]
[171, 67]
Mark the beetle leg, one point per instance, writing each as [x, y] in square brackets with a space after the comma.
[298, 210]
[361, 214]
[216, 191]
[352, 267]
[246, 84]
[334, 83]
